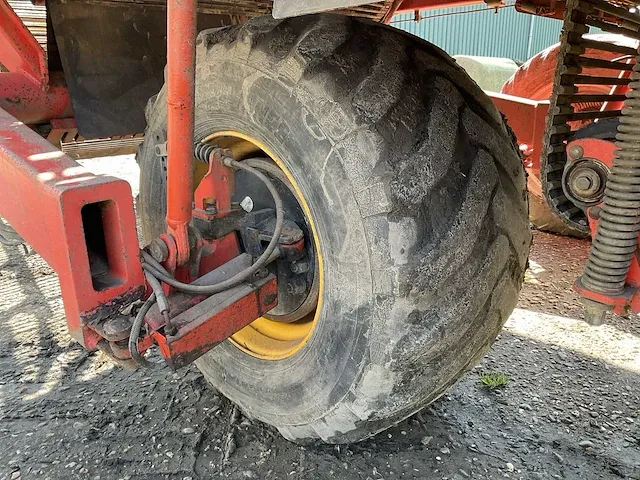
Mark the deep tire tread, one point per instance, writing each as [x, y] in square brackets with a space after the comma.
[470, 222]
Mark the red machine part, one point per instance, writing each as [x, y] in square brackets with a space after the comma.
[213, 195]
[527, 119]
[21, 52]
[83, 225]
[27, 91]
[603, 152]
[91, 218]
[534, 80]
[201, 322]
[181, 36]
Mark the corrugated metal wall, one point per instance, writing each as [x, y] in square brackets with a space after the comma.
[477, 30]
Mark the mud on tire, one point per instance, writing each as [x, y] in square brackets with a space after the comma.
[418, 196]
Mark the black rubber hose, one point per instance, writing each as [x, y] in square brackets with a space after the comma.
[135, 333]
[153, 262]
[265, 258]
[161, 298]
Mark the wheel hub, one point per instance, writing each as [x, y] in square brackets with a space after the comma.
[284, 330]
[584, 181]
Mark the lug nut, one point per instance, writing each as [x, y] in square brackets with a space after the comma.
[299, 267]
[297, 286]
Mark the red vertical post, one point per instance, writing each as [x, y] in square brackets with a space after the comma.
[181, 59]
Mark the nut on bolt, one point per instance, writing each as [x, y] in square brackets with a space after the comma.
[158, 250]
[261, 273]
[296, 286]
[299, 267]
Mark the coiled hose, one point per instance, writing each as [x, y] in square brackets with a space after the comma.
[155, 271]
[616, 240]
[266, 257]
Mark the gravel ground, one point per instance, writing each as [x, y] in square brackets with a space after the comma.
[570, 410]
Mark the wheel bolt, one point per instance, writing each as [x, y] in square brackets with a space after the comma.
[583, 183]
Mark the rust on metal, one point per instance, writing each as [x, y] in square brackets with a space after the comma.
[26, 89]
[215, 319]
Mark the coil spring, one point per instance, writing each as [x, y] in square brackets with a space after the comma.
[203, 151]
[616, 239]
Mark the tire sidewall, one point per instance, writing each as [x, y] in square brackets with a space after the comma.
[317, 376]
[411, 297]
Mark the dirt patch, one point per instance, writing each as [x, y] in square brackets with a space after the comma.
[570, 410]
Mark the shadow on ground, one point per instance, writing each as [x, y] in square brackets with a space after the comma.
[569, 411]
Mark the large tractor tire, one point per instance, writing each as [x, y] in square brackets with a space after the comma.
[534, 80]
[413, 191]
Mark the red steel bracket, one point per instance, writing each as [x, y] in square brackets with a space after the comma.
[527, 119]
[83, 225]
[203, 322]
[20, 51]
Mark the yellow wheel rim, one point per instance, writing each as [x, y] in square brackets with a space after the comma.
[264, 338]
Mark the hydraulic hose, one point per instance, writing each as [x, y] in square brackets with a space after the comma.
[135, 333]
[161, 298]
[152, 267]
[154, 271]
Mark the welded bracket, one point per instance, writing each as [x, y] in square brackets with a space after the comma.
[202, 322]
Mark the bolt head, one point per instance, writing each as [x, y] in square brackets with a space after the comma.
[576, 152]
[583, 183]
[299, 267]
[158, 250]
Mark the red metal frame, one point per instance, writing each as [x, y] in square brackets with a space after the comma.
[202, 322]
[21, 52]
[27, 91]
[413, 5]
[43, 195]
[527, 119]
[181, 35]
[88, 221]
